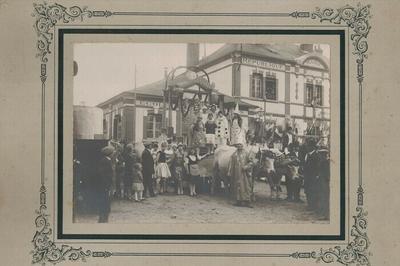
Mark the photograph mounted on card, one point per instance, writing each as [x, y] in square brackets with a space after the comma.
[222, 134]
[226, 132]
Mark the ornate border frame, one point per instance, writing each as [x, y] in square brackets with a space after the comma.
[356, 18]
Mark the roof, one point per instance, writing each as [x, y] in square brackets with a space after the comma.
[154, 88]
[282, 52]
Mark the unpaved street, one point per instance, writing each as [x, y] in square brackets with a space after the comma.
[204, 208]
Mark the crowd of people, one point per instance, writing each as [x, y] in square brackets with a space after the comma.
[128, 174]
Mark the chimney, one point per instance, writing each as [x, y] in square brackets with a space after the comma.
[192, 54]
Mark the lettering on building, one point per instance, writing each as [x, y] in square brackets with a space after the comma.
[261, 63]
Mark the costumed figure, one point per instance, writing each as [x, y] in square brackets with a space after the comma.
[240, 171]
[198, 133]
[237, 132]
[222, 130]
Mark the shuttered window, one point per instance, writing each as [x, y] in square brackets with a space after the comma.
[271, 89]
[314, 94]
[318, 95]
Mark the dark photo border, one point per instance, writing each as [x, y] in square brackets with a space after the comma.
[62, 32]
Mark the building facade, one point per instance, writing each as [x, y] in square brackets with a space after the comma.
[284, 81]
[281, 81]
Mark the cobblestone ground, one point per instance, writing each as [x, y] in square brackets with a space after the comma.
[204, 208]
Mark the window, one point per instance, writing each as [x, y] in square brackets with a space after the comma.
[256, 85]
[153, 125]
[313, 94]
[309, 93]
[318, 95]
[270, 88]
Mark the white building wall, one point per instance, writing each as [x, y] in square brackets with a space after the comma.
[296, 110]
[140, 113]
[296, 88]
[223, 80]
[280, 76]
[326, 92]
[221, 75]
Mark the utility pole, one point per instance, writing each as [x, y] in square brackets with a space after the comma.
[164, 98]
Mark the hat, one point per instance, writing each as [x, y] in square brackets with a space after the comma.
[180, 144]
[236, 109]
[108, 150]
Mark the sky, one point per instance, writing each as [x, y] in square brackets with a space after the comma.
[106, 69]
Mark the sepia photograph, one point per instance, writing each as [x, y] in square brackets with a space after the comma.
[201, 133]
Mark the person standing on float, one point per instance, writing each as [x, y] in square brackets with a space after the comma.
[222, 130]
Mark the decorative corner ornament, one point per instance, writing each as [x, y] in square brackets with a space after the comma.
[45, 250]
[356, 252]
[356, 18]
[47, 16]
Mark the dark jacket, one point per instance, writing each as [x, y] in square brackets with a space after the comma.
[105, 174]
[147, 163]
[311, 169]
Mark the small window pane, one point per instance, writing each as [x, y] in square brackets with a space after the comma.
[270, 89]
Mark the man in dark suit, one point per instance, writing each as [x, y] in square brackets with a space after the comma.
[311, 175]
[323, 184]
[104, 183]
[148, 169]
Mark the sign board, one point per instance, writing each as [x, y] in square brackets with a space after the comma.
[262, 63]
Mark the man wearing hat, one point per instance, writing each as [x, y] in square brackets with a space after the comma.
[148, 169]
[104, 183]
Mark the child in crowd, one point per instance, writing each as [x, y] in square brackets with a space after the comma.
[162, 169]
[137, 185]
[179, 168]
[194, 169]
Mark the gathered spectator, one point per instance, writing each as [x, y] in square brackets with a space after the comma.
[162, 169]
[137, 182]
[194, 170]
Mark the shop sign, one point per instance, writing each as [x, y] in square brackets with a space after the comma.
[261, 63]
